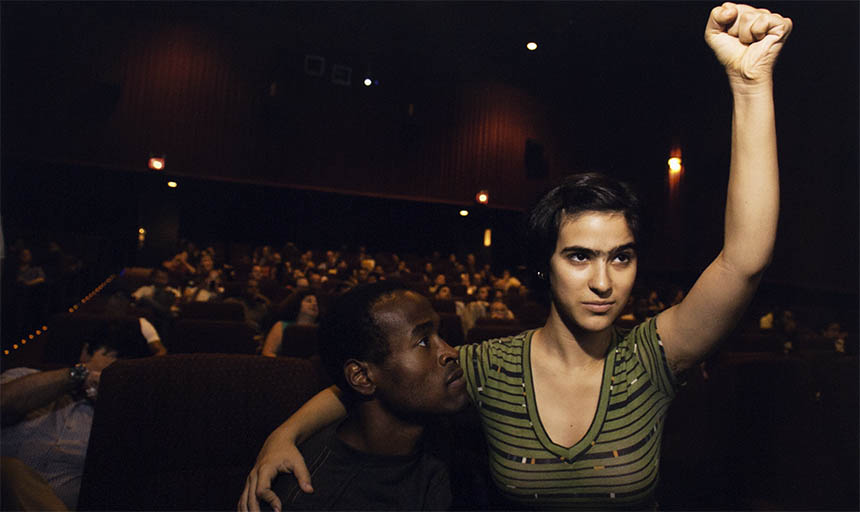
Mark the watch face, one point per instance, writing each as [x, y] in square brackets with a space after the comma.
[79, 372]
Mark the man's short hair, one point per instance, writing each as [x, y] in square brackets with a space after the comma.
[349, 331]
[576, 194]
[120, 335]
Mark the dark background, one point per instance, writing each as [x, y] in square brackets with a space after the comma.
[264, 152]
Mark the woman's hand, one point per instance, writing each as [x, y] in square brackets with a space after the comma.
[746, 40]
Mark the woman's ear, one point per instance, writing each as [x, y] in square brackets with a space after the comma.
[358, 377]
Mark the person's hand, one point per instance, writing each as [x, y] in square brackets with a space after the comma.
[258, 485]
[91, 384]
[746, 40]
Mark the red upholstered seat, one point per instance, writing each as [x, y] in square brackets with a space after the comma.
[180, 432]
[212, 336]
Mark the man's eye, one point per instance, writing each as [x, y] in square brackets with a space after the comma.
[424, 342]
[577, 256]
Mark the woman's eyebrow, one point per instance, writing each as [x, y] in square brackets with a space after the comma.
[592, 252]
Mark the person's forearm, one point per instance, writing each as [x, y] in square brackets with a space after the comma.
[752, 205]
[319, 412]
[21, 396]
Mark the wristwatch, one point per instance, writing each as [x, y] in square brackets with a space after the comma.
[78, 374]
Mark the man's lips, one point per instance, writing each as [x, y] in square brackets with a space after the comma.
[455, 376]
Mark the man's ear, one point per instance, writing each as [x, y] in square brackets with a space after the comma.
[357, 375]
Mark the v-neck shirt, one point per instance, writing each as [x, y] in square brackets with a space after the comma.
[615, 464]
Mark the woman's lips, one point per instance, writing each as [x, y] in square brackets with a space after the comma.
[598, 307]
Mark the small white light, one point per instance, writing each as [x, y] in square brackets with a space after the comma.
[156, 164]
[368, 82]
[464, 213]
[172, 184]
[675, 164]
[531, 46]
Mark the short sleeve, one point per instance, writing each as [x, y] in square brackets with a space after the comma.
[649, 349]
[470, 363]
[148, 331]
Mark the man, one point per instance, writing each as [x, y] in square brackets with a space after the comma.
[380, 344]
[46, 421]
[255, 305]
[158, 295]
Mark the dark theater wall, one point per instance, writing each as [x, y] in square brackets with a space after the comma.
[165, 82]
[220, 90]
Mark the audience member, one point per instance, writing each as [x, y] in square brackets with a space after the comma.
[499, 311]
[28, 274]
[46, 418]
[255, 305]
[380, 344]
[300, 308]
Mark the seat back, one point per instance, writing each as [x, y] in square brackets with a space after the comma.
[213, 311]
[212, 336]
[181, 432]
[299, 341]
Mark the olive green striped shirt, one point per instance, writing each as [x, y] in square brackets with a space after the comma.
[615, 465]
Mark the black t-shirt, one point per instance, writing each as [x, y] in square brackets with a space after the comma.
[347, 479]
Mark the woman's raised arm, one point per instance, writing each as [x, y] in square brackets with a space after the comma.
[746, 41]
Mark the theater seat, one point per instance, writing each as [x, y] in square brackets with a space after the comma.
[212, 336]
[299, 341]
[180, 432]
[213, 311]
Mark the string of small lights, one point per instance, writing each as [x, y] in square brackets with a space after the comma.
[38, 332]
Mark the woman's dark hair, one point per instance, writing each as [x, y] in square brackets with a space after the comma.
[288, 310]
[349, 330]
[576, 194]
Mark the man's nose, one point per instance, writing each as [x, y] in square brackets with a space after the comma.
[447, 353]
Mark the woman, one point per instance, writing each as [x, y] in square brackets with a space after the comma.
[300, 308]
[573, 411]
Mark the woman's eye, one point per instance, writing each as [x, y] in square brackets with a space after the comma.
[624, 257]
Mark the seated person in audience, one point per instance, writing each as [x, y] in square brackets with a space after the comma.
[499, 311]
[438, 282]
[677, 296]
[506, 281]
[467, 282]
[655, 305]
[28, 275]
[159, 298]
[157, 294]
[179, 265]
[835, 335]
[257, 273]
[153, 339]
[444, 293]
[315, 280]
[300, 308]
[46, 421]
[255, 305]
[380, 345]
